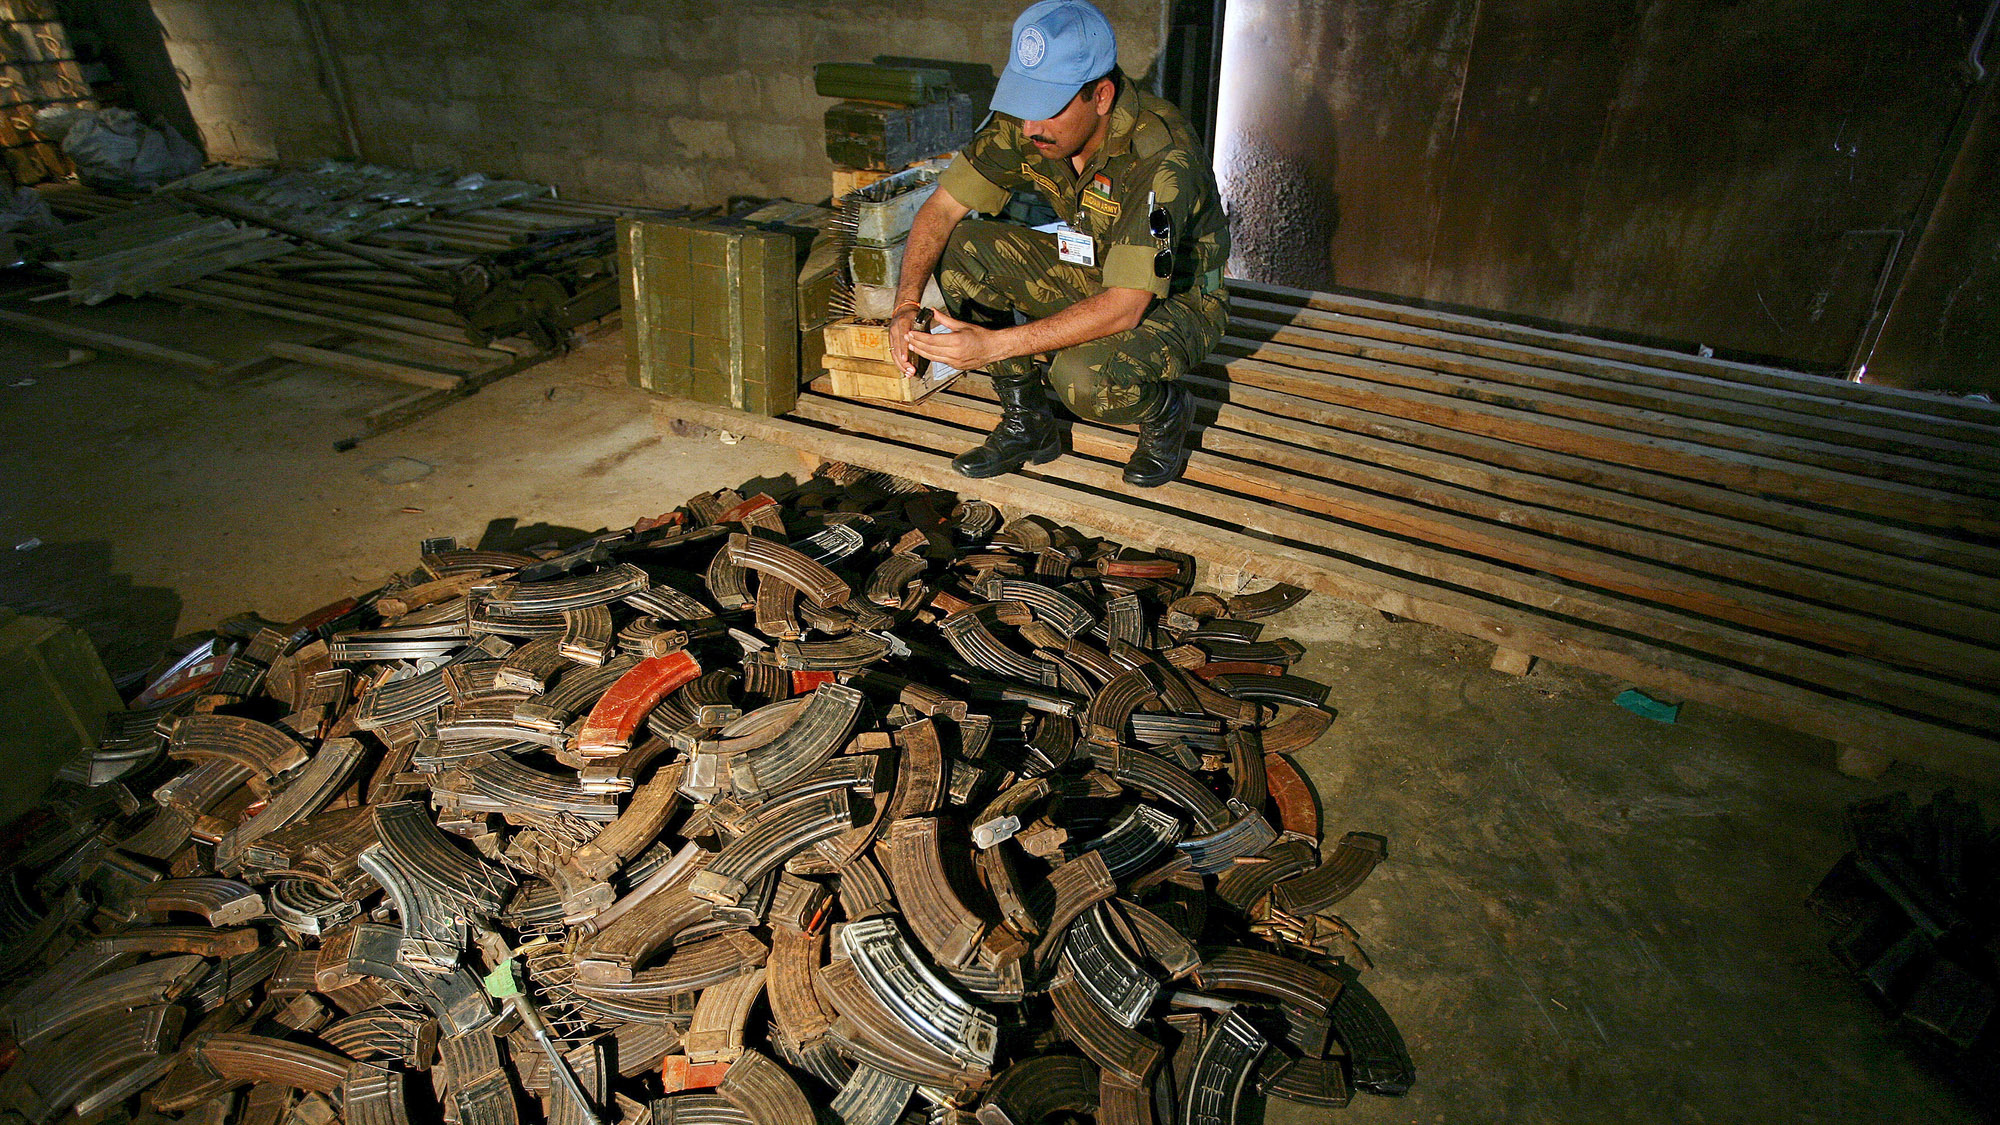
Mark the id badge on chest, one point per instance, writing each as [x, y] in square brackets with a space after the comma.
[1075, 247]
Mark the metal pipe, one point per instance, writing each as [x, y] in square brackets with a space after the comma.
[335, 84]
[436, 280]
[558, 1065]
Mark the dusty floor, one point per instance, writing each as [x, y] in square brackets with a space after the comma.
[1585, 915]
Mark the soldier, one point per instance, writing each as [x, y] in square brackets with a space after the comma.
[1124, 297]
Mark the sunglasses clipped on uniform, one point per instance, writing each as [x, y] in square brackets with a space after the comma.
[1161, 224]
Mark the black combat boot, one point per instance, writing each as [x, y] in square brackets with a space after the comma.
[1025, 435]
[1162, 448]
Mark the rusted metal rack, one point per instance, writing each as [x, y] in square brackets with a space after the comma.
[1814, 552]
[371, 320]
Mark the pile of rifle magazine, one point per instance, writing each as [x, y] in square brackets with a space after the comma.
[860, 806]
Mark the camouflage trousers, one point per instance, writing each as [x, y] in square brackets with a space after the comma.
[990, 270]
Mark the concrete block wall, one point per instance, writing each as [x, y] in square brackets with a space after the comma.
[246, 69]
[641, 101]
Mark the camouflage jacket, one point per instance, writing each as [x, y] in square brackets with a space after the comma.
[1150, 151]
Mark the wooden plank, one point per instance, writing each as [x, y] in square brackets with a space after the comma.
[1636, 549]
[1516, 470]
[1094, 501]
[206, 366]
[1792, 452]
[1732, 424]
[209, 301]
[364, 365]
[402, 412]
[1864, 677]
[266, 363]
[1985, 414]
[1728, 468]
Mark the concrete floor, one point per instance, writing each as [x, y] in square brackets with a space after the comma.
[1585, 915]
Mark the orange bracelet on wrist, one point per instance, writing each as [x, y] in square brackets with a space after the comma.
[914, 306]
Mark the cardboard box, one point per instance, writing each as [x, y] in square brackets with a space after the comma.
[712, 310]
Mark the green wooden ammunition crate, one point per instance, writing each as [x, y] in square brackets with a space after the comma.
[818, 279]
[712, 310]
[904, 85]
[888, 137]
[54, 694]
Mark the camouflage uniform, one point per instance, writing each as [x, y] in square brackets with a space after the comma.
[991, 268]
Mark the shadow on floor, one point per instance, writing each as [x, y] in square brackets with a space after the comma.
[76, 582]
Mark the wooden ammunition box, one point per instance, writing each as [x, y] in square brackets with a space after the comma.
[848, 179]
[857, 340]
[819, 278]
[712, 310]
[904, 85]
[854, 179]
[849, 377]
[864, 135]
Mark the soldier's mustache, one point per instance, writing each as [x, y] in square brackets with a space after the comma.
[1040, 139]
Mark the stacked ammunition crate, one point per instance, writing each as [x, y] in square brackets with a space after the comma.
[715, 309]
[38, 69]
[889, 138]
[871, 225]
[891, 118]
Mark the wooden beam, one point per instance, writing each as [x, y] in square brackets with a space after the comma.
[1393, 500]
[265, 363]
[1483, 461]
[206, 366]
[1792, 456]
[1939, 698]
[1095, 502]
[347, 296]
[402, 412]
[365, 365]
[1728, 468]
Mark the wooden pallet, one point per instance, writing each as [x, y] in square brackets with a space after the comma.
[1818, 553]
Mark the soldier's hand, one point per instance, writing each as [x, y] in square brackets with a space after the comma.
[967, 347]
[899, 339]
